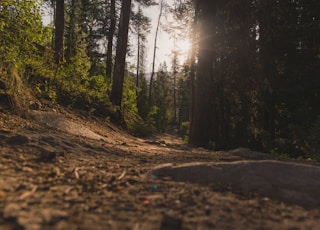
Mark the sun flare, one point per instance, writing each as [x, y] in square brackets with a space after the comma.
[184, 46]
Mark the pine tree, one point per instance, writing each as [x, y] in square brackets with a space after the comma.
[141, 27]
[200, 130]
[59, 31]
[122, 42]
[110, 35]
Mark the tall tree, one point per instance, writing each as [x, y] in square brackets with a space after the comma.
[155, 49]
[200, 130]
[162, 98]
[175, 69]
[76, 46]
[94, 16]
[192, 74]
[121, 50]
[141, 27]
[72, 30]
[59, 31]
[110, 36]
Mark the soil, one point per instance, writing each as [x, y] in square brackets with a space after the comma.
[62, 169]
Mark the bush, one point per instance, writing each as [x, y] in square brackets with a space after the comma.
[137, 126]
[184, 129]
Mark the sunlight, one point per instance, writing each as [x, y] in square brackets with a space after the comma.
[184, 46]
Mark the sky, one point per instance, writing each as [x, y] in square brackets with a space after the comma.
[165, 43]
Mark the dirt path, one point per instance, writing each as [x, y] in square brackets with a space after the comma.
[61, 171]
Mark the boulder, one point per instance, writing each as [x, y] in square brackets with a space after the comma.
[293, 183]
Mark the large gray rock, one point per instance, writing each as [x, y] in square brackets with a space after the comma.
[292, 183]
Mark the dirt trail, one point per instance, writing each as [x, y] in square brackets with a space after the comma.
[60, 170]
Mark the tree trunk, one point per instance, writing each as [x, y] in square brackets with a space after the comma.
[193, 64]
[267, 60]
[138, 63]
[174, 68]
[120, 61]
[110, 39]
[59, 31]
[70, 33]
[200, 130]
[155, 51]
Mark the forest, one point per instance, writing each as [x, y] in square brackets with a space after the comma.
[252, 77]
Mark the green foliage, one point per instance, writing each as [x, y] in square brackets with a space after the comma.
[20, 28]
[184, 130]
[26, 56]
[159, 107]
[77, 69]
[142, 99]
[141, 24]
[88, 93]
[22, 46]
[129, 98]
[137, 126]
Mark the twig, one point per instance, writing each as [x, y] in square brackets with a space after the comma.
[28, 193]
[76, 172]
[122, 175]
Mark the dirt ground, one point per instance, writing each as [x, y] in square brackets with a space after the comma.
[64, 170]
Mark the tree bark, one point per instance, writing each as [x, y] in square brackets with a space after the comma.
[59, 31]
[155, 51]
[138, 63]
[174, 68]
[200, 130]
[193, 64]
[121, 50]
[267, 57]
[110, 38]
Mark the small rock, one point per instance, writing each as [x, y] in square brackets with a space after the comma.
[11, 210]
[170, 222]
[3, 85]
[3, 194]
[52, 215]
[5, 100]
[34, 105]
[18, 140]
[47, 156]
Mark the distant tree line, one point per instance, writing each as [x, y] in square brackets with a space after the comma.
[257, 76]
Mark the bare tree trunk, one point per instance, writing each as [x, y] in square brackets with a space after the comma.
[175, 97]
[59, 31]
[120, 61]
[155, 51]
[193, 65]
[174, 68]
[138, 56]
[110, 39]
[138, 63]
[200, 130]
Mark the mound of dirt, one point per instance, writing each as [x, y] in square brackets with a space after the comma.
[60, 122]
